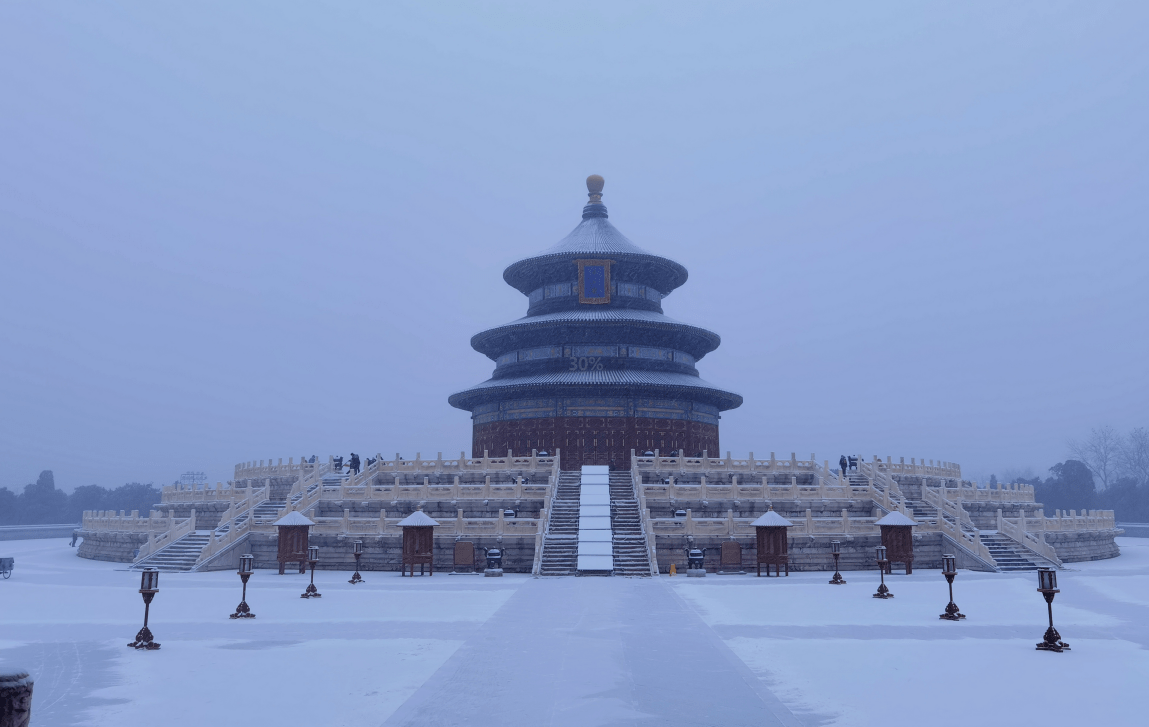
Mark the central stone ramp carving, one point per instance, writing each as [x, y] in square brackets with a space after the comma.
[595, 536]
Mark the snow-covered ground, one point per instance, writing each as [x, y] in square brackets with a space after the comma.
[722, 650]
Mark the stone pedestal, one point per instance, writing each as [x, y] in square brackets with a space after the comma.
[695, 572]
[15, 699]
[493, 572]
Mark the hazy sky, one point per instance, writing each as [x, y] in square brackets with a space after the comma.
[237, 231]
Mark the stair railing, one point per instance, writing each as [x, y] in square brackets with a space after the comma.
[544, 524]
[156, 542]
[1032, 541]
[216, 545]
[971, 543]
[933, 496]
[644, 519]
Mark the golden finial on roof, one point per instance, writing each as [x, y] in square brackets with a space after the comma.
[594, 186]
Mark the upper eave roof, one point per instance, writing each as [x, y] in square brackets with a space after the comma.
[594, 237]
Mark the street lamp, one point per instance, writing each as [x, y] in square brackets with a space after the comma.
[245, 571]
[883, 592]
[836, 551]
[1047, 586]
[358, 554]
[149, 587]
[312, 558]
[949, 570]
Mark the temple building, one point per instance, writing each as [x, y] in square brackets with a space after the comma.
[595, 369]
[595, 451]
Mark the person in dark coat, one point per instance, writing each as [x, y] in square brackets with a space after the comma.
[842, 464]
[353, 464]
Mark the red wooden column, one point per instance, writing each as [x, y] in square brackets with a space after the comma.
[293, 536]
[773, 543]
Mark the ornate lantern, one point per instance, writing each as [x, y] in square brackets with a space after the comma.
[149, 587]
[836, 551]
[312, 559]
[1047, 586]
[949, 570]
[245, 571]
[358, 554]
[883, 592]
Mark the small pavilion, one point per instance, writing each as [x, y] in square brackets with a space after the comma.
[293, 537]
[898, 537]
[418, 542]
[773, 543]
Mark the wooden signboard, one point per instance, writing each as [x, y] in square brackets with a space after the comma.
[730, 560]
[464, 555]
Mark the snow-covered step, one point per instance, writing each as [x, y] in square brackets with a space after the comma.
[560, 544]
[630, 548]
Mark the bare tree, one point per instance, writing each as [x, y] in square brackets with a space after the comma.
[1100, 453]
[1133, 456]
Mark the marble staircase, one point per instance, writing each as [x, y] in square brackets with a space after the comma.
[179, 556]
[631, 555]
[1011, 556]
[560, 544]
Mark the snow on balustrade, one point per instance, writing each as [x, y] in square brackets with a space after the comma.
[418, 465]
[658, 462]
[1014, 492]
[109, 521]
[735, 526]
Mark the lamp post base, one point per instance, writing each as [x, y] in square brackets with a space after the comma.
[883, 592]
[311, 592]
[356, 578]
[952, 613]
[144, 640]
[1053, 642]
[837, 580]
[242, 611]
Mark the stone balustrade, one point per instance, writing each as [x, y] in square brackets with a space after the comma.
[1014, 492]
[457, 490]
[659, 463]
[219, 493]
[167, 537]
[419, 465]
[1068, 521]
[734, 526]
[108, 521]
[383, 525]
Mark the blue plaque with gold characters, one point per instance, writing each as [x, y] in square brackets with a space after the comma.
[593, 281]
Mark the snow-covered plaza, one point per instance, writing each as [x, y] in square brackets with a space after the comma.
[518, 650]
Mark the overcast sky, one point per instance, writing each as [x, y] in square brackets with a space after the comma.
[236, 231]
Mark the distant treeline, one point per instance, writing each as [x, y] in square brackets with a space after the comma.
[43, 504]
[1070, 486]
[1118, 462]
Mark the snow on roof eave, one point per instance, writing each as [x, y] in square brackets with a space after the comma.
[294, 518]
[417, 518]
[895, 518]
[771, 520]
